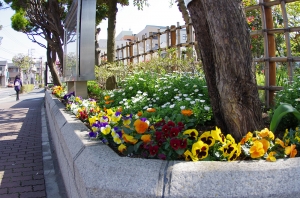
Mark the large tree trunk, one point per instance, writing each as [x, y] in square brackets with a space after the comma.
[224, 44]
[111, 30]
[52, 66]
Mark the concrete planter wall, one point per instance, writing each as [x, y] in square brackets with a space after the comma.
[91, 169]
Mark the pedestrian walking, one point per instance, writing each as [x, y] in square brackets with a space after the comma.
[18, 85]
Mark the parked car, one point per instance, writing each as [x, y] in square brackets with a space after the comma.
[10, 84]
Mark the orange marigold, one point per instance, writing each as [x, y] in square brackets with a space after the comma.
[146, 138]
[150, 110]
[139, 113]
[186, 112]
[140, 126]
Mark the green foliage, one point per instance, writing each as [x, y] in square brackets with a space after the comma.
[19, 22]
[281, 111]
[289, 95]
[27, 88]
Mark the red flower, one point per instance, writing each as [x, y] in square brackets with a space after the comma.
[180, 125]
[174, 132]
[153, 150]
[158, 135]
[165, 128]
[171, 123]
[183, 144]
[175, 143]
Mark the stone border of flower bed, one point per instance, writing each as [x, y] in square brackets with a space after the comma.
[91, 169]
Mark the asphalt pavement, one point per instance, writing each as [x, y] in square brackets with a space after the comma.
[28, 165]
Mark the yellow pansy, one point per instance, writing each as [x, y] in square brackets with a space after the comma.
[257, 150]
[122, 148]
[291, 150]
[271, 157]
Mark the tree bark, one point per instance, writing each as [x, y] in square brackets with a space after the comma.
[52, 66]
[224, 45]
[111, 30]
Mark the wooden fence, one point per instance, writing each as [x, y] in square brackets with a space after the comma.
[132, 53]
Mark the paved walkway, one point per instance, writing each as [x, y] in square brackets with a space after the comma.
[26, 166]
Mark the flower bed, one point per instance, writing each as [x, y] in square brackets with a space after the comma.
[141, 135]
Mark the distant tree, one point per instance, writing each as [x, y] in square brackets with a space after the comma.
[111, 28]
[24, 63]
[44, 18]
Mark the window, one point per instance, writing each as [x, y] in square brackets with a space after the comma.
[184, 37]
[0, 68]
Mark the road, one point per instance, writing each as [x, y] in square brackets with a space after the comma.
[7, 92]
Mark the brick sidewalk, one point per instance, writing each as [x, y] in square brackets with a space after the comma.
[21, 156]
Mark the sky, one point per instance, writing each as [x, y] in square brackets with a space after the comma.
[159, 12]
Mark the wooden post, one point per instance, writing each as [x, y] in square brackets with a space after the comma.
[130, 52]
[173, 36]
[122, 52]
[137, 49]
[271, 49]
[287, 41]
[178, 41]
[127, 53]
[151, 37]
[144, 46]
[168, 37]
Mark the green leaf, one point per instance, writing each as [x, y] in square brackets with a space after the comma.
[127, 130]
[137, 146]
[281, 111]
[179, 151]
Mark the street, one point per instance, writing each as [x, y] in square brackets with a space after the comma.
[7, 92]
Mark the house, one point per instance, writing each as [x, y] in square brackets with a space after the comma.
[3, 74]
[13, 71]
[124, 37]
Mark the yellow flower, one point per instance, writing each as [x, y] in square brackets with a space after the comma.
[207, 138]
[140, 126]
[236, 153]
[146, 138]
[189, 156]
[271, 157]
[257, 150]
[291, 150]
[192, 133]
[109, 112]
[122, 148]
[265, 133]
[218, 135]
[266, 144]
[200, 149]
[117, 140]
[228, 149]
[280, 142]
[246, 138]
[92, 120]
[129, 139]
[230, 138]
[106, 129]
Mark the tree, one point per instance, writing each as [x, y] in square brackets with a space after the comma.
[111, 28]
[44, 19]
[224, 43]
[24, 63]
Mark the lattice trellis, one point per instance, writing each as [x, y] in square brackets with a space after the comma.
[131, 52]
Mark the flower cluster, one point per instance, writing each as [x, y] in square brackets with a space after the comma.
[58, 91]
[140, 135]
[262, 144]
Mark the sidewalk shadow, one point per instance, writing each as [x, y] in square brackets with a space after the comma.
[21, 157]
